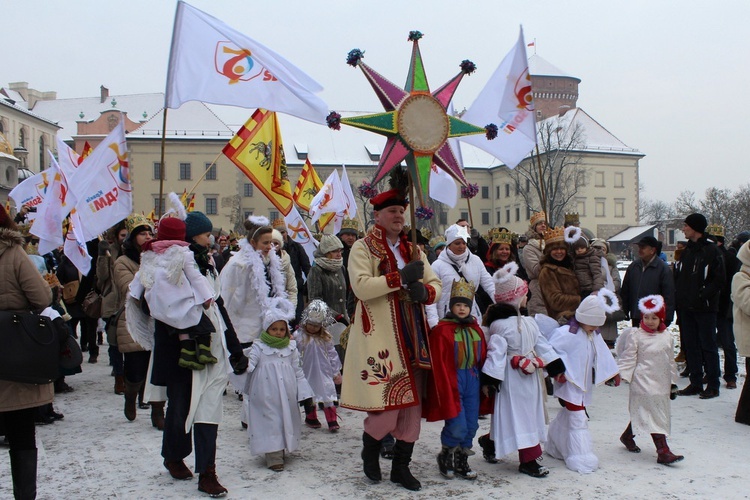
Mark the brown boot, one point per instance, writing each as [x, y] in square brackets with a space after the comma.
[665, 455]
[131, 394]
[119, 384]
[209, 483]
[627, 439]
[177, 469]
[157, 414]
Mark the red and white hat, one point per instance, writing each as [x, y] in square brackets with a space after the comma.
[509, 288]
[653, 304]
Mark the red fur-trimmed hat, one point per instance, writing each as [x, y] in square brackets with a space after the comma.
[653, 304]
[389, 198]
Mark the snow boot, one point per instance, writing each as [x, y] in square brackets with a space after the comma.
[331, 418]
[119, 384]
[311, 416]
[189, 356]
[488, 448]
[627, 439]
[461, 464]
[209, 483]
[371, 457]
[23, 472]
[533, 469]
[157, 414]
[131, 394]
[665, 455]
[177, 469]
[203, 343]
[445, 462]
[400, 472]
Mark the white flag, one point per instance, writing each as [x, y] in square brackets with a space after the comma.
[75, 245]
[297, 230]
[211, 62]
[102, 185]
[507, 102]
[68, 159]
[442, 187]
[330, 198]
[32, 191]
[52, 211]
[351, 201]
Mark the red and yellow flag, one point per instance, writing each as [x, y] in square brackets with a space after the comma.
[307, 187]
[191, 205]
[257, 150]
[152, 216]
[184, 198]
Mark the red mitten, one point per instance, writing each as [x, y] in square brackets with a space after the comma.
[527, 366]
[514, 361]
[561, 378]
[538, 362]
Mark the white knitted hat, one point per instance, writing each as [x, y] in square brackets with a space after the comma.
[591, 312]
[509, 288]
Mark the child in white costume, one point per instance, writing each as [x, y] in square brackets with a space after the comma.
[320, 362]
[588, 363]
[517, 349]
[646, 359]
[274, 387]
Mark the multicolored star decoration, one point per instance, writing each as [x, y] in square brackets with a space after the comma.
[415, 121]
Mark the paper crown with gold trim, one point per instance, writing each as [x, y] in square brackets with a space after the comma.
[232, 236]
[572, 218]
[462, 292]
[554, 235]
[135, 220]
[426, 232]
[437, 240]
[536, 218]
[349, 226]
[715, 230]
[498, 236]
[278, 223]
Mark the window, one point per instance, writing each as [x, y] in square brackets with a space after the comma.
[528, 185]
[185, 172]
[157, 208]
[518, 214]
[485, 192]
[498, 217]
[41, 153]
[497, 192]
[212, 206]
[443, 220]
[507, 215]
[273, 215]
[485, 218]
[22, 138]
[157, 170]
[581, 208]
[528, 213]
[581, 178]
[248, 213]
[507, 190]
[464, 216]
[619, 207]
[670, 237]
[247, 191]
[211, 174]
[599, 179]
[518, 189]
[619, 180]
[600, 212]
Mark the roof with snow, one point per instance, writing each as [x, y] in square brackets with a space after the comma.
[12, 103]
[539, 66]
[633, 232]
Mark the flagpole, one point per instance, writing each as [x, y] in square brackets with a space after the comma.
[203, 177]
[161, 164]
[471, 218]
[541, 184]
[414, 248]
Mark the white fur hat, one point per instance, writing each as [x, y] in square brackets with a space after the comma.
[455, 232]
[277, 309]
[591, 312]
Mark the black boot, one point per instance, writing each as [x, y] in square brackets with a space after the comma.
[627, 439]
[400, 472]
[488, 448]
[445, 462]
[371, 457]
[461, 464]
[23, 471]
[131, 395]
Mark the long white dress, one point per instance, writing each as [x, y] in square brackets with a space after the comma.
[518, 420]
[647, 361]
[588, 363]
[320, 363]
[275, 386]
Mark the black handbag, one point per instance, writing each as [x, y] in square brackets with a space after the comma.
[30, 350]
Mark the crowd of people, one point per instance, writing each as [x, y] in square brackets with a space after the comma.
[449, 329]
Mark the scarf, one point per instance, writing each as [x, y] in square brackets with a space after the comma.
[257, 271]
[202, 258]
[457, 260]
[461, 321]
[329, 264]
[648, 330]
[275, 342]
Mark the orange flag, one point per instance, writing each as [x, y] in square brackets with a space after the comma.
[257, 150]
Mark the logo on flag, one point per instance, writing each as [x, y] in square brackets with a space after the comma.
[523, 91]
[235, 63]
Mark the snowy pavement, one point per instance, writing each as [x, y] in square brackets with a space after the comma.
[96, 453]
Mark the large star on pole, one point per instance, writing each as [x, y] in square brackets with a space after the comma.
[415, 121]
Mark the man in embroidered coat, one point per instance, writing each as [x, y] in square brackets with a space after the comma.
[387, 349]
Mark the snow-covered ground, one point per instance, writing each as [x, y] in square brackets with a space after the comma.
[96, 453]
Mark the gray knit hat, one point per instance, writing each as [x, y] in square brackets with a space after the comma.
[328, 243]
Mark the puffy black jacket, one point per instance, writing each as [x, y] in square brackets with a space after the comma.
[655, 279]
[699, 277]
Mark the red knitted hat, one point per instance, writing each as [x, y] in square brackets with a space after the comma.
[170, 228]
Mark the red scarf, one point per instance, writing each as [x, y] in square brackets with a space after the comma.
[661, 328]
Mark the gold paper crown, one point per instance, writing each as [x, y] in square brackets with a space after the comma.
[462, 289]
[715, 230]
[426, 232]
[554, 235]
[135, 220]
[501, 236]
[278, 223]
[25, 229]
[232, 236]
[435, 240]
[536, 218]
[572, 218]
[348, 223]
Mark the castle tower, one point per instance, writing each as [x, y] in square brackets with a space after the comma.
[555, 91]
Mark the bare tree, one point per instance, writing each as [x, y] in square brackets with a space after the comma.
[561, 141]
[685, 204]
[651, 211]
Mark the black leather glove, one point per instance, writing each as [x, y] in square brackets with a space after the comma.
[239, 363]
[673, 392]
[417, 292]
[492, 384]
[413, 271]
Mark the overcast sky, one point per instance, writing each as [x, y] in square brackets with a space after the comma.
[670, 78]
